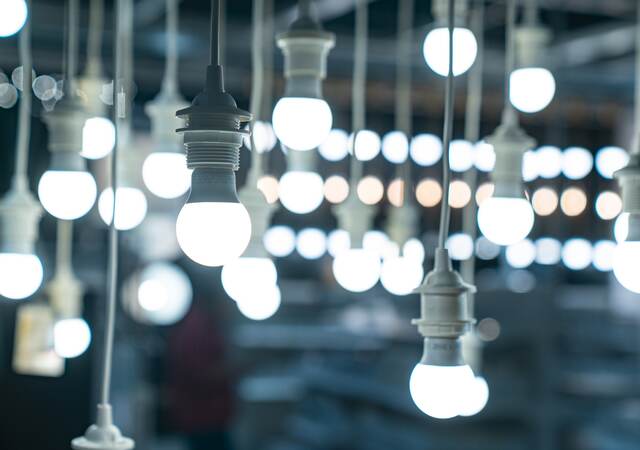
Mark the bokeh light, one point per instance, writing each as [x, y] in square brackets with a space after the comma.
[370, 190]
[336, 146]
[548, 251]
[460, 246]
[608, 205]
[577, 163]
[268, 185]
[550, 161]
[395, 192]
[544, 201]
[280, 240]
[577, 253]
[459, 194]
[336, 189]
[521, 254]
[610, 159]
[573, 201]
[484, 191]
[428, 192]
[426, 149]
[395, 147]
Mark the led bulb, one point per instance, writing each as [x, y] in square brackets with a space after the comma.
[476, 397]
[504, 220]
[400, 275]
[440, 391]
[131, 207]
[357, 269]
[261, 306]
[302, 123]
[248, 277]
[531, 89]
[20, 275]
[164, 294]
[166, 175]
[67, 195]
[436, 50]
[98, 138]
[213, 233]
[13, 15]
[625, 265]
[71, 337]
[301, 192]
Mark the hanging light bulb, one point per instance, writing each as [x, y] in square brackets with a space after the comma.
[436, 44]
[301, 189]
[13, 15]
[302, 119]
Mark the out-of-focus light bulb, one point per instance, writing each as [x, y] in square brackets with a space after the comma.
[301, 192]
[67, 194]
[20, 275]
[13, 15]
[505, 221]
[166, 175]
[261, 306]
[476, 398]
[531, 89]
[164, 294]
[248, 277]
[400, 275]
[302, 123]
[395, 147]
[436, 50]
[279, 240]
[131, 207]
[357, 269]
[336, 146]
[625, 265]
[71, 337]
[440, 391]
[98, 138]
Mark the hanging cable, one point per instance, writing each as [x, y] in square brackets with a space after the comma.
[214, 60]
[304, 8]
[509, 113]
[94, 39]
[64, 244]
[268, 52]
[170, 82]
[256, 85]
[72, 46]
[635, 148]
[531, 12]
[359, 84]
[445, 209]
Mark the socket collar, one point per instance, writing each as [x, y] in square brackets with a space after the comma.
[103, 435]
[20, 215]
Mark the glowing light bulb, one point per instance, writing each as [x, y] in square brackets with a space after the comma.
[71, 337]
[357, 269]
[166, 175]
[400, 275]
[164, 294]
[248, 277]
[440, 391]
[98, 138]
[261, 306]
[67, 195]
[302, 123]
[20, 275]
[625, 265]
[13, 15]
[131, 207]
[505, 221]
[436, 50]
[531, 89]
[301, 192]
[476, 397]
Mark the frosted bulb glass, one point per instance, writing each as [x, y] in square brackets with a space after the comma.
[67, 195]
[625, 265]
[476, 397]
[246, 276]
[302, 123]
[505, 221]
[71, 337]
[357, 269]
[439, 391]
[400, 275]
[131, 207]
[301, 192]
[166, 174]
[164, 293]
[531, 89]
[436, 50]
[213, 233]
[261, 306]
[13, 15]
[20, 275]
[98, 138]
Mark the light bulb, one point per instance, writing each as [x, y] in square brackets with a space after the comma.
[400, 275]
[13, 15]
[301, 192]
[166, 175]
[248, 277]
[302, 123]
[20, 275]
[357, 269]
[625, 265]
[531, 89]
[476, 397]
[131, 207]
[262, 305]
[71, 337]
[436, 50]
[440, 391]
[98, 138]
[67, 194]
[164, 294]
[505, 220]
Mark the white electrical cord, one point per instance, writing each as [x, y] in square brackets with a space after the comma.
[64, 246]
[170, 82]
[94, 39]
[635, 147]
[509, 114]
[71, 57]
[359, 85]
[257, 60]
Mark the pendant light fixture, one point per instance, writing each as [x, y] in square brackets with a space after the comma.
[98, 135]
[67, 190]
[439, 382]
[302, 119]
[213, 227]
[164, 171]
[71, 334]
[301, 189]
[507, 217]
[357, 269]
[13, 15]
[20, 268]
[262, 293]
[103, 434]
[400, 274]
[532, 85]
[627, 254]
[435, 47]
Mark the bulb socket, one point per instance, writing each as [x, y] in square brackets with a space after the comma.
[531, 44]
[103, 435]
[444, 352]
[629, 181]
[509, 143]
[403, 222]
[355, 217]
[65, 125]
[301, 161]
[20, 215]
[164, 122]
[213, 184]
[260, 212]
